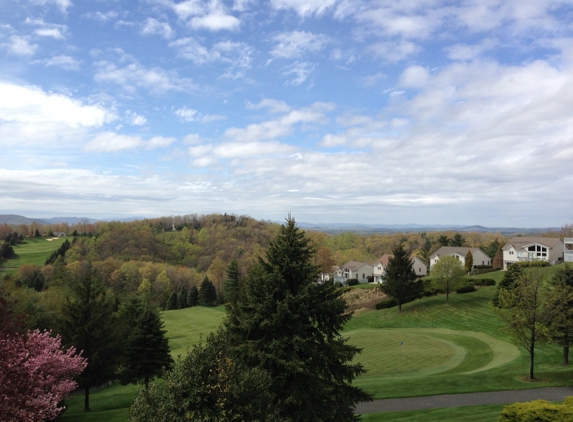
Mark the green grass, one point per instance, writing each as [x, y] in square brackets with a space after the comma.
[33, 252]
[488, 413]
[455, 348]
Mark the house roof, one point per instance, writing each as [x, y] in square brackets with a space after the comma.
[520, 242]
[460, 250]
[384, 259]
[354, 265]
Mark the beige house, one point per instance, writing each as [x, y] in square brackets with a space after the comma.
[520, 249]
[379, 267]
[479, 256]
[354, 269]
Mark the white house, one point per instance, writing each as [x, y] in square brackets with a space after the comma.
[520, 249]
[420, 267]
[568, 249]
[354, 269]
[479, 256]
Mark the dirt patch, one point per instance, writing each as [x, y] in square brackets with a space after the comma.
[359, 300]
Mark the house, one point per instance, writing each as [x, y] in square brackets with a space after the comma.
[520, 249]
[418, 264]
[568, 249]
[354, 269]
[479, 256]
[59, 234]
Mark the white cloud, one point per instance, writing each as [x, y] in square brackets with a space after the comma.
[393, 51]
[295, 44]
[330, 140]
[186, 114]
[414, 76]
[300, 70]
[135, 119]
[281, 127]
[154, 27]
[211, 15]
[62, 4]
[274, 106]
[44, 29]
[470, 52]
[304, 8]
[192, 139]
[112, 142]
[28, 104]
[20, 46]
[135, 76]
[65, 62]
[237, 55]
[103, 17]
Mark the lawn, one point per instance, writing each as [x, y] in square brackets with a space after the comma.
[34, 251]
[429, 348]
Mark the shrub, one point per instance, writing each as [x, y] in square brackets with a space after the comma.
[538, 411]
[466, 289]
[385, 304]
[352, 282]
[485, 270]
[482, 281]
[337, 284]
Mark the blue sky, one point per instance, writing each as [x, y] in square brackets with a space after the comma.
[422, 111]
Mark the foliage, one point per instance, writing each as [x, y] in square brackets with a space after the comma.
[399, 280]
[447, 275]
[469, 262]
[207, 293]
[526, 312]
[385, 304]
[147, 352]
[512, 274]
[457, 240]
[538, 411]
[35, 375]
[466, 289]
[233, 281]
[172, 302]
[88, 323]
[193, 296]
[61, 251]
[562, 324]
[209, 384]
[289, 327]
[352, 282]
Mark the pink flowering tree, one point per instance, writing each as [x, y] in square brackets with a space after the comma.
[35, 375]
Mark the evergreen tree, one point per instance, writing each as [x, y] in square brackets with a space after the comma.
[498, 259]
[193, 296]
[400, 281]
[289, 326]
[88, 323]
[561, 300]
[469, 262]
[457, 240]
[182, 299]
[172, 302]
[37, 233]
[147, 354]
[232, 282]
[207, 293]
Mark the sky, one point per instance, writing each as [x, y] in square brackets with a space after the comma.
[348, 111]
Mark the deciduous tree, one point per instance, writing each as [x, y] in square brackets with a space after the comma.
[35, 376]
[447, 274]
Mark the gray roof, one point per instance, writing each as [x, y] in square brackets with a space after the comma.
[520, 242]
[460, 250]
[354, 265]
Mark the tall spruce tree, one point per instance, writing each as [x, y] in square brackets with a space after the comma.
[207, 293]
[193, 296]
[399, 281]
[147, 353]
[289, 326]
[469, 262]
[88, 323]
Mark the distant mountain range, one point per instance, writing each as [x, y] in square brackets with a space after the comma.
[324, 227]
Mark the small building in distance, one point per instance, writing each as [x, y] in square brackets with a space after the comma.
[480, 258]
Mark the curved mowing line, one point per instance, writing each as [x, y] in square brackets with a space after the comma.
[503, 352]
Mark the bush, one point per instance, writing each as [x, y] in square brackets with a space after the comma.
[352, 282]
[482, 281]
[485, 270]
[538, 411]
[466, 289]
[337, 284]
[385, 304]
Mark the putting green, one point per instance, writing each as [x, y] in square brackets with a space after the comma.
[418, 352]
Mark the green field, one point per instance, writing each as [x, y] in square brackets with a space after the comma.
[33, 252]
[429, 348]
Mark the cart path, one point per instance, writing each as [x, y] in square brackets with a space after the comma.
[469, 399]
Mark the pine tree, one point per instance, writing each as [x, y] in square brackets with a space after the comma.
[207, 293]
[147, 354]
[399, 280]
[172, 302]
[193, 296]
[182, 299]
[232, 282]
[88, 323]
[289, 326]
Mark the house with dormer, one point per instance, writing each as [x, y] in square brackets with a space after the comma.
[354, 269]
[520, 249]
[459, 252]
